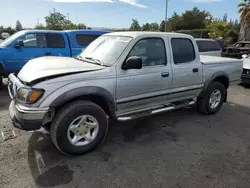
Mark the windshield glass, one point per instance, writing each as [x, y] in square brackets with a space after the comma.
[8, 41]
[106, 49]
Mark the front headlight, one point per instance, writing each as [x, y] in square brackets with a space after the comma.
[29, 96]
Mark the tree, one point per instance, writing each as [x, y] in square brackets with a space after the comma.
[19, 26]
[162, 26]
[218, 30]
[40, 26]
[244, 10]
[56, 21]
[81, 26]
[154, 27]
[224, 18]
[193, 19]
[135, 26]
[173, 21]
[146, 27]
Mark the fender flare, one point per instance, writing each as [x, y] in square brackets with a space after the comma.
[214, 77]
[87, 91]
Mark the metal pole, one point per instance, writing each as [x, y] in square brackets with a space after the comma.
[166, 15]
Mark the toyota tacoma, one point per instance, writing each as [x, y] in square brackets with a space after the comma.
[119, 77]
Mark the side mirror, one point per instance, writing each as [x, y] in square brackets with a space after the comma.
[133, 62]
[19, 44]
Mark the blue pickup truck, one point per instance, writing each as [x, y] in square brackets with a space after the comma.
[28, 44]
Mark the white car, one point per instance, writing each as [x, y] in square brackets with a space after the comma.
[245, 78]
[209, 47]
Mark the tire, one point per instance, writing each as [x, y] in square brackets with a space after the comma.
[203, 102]
[64, 118]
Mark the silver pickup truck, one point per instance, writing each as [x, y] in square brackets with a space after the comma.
[120, 76]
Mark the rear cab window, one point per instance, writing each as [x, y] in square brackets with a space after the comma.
[55, 40]
[85, 40]
[183, 50]
[208, 46]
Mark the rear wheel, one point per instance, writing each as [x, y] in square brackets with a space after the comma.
[79, 127]
[213, 99]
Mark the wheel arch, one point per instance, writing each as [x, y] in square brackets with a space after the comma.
[221, 77]
[98, 95]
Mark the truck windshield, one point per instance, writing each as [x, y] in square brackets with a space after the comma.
[8, 41]
[106, 49]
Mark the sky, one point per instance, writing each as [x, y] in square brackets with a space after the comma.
[108, 13]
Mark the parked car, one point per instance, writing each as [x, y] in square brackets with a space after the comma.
[245, 78]
[237, 50]
[120, 76]
[222, 43]
[25, 45]
[209, 47]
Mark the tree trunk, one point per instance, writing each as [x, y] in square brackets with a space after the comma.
[244, 32]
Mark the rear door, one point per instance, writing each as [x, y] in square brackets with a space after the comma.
[187, 69]
[57, 45]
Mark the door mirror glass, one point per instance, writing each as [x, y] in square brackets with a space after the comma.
[244, 56]
[133, 62]
[19, 44]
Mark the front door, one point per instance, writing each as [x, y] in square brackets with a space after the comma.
[39, 45]
[34, 46]
[148, 86]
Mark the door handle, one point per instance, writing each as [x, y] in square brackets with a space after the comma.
[47, 53]
[195, 70]
[165, 74]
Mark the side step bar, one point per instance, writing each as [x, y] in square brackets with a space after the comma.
[147, 112]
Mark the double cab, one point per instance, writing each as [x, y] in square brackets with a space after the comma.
[120, 76]
[25, 45]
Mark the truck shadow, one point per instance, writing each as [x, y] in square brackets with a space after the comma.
[4, 98]
[246, 86]
[50, 168]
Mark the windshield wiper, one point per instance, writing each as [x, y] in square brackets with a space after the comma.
[78, 57]
[96, 61]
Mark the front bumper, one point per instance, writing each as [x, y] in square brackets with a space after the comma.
[26, 118]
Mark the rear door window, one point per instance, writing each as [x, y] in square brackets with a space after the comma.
[183, 50]
[208, 46]
[85, 40]
[55, 41]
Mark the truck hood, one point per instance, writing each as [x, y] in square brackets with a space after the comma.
[246, 64]
[45, 67]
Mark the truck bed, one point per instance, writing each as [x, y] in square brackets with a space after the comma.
[215, 60]
[233, 67]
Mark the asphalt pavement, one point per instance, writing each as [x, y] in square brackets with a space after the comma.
[181, 149]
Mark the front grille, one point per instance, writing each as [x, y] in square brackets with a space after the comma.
[14, 85]
[246, 71]
[12, 89]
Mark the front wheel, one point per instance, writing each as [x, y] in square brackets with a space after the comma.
[79, 127]
[213, 99]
